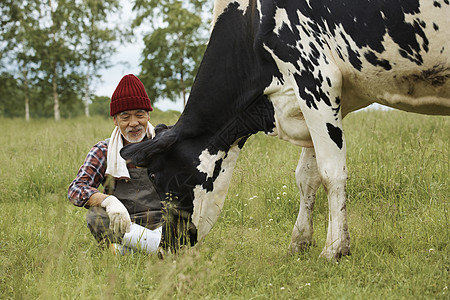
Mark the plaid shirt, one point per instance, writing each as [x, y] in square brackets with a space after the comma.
[90, 175]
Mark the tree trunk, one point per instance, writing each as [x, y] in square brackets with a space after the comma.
[86, 94]
[55, 96]
[25, 90]
[183, 89]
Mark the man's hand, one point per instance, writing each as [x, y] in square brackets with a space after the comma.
[119, 218]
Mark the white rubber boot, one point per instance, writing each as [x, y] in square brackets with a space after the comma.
[143, 239]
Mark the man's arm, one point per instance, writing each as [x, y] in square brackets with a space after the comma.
[96, 199]
[90, 175]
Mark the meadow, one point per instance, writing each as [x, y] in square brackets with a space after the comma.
[398, 209]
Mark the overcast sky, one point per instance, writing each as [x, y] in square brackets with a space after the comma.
[127, 62]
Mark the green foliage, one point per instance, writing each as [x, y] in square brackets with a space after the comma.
[100, 106]
[397, 205]
[55, 49]
[174, 48]
[9, 94]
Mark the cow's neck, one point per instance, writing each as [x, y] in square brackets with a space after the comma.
[229, 84]
[218, 159]
[258, 115]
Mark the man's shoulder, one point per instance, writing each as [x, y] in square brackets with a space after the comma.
[102, 145]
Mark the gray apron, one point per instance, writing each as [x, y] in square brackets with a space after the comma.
[139, 197]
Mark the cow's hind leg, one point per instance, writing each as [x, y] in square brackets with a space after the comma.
[331, 166]
[323, 117]
[308, 181]
[329, 146]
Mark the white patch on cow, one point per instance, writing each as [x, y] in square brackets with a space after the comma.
[281, 18]
[208, 204]
[221, 5]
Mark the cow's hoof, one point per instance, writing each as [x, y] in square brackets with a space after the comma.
[297, 247]
[334, 254]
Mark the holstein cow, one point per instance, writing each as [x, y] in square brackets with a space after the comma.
[294, 68]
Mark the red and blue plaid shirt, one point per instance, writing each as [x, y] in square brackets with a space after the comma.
[90, 175]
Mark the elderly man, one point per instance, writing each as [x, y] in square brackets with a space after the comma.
[128, 211]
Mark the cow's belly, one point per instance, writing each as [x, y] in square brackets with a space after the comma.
[425, 91]
[289, 121]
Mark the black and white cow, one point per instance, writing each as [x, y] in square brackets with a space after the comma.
[295, 68]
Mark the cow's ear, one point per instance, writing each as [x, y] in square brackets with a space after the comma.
[140, 154]
[160, 128]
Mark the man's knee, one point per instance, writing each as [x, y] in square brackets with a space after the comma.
[98, 223]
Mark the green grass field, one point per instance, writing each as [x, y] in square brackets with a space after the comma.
[398, 208]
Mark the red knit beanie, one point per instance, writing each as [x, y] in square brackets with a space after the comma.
[130, 94]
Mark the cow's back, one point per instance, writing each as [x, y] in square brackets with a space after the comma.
[391, 52]
[394, 55]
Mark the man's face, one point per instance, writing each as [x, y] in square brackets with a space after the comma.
[132, 125]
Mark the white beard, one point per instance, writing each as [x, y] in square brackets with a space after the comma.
[132, 139]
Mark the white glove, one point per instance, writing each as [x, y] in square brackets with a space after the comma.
[119, 218]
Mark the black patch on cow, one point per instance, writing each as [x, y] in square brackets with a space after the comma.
[337, 109]
[315, 55]
[353, 56]
[208, 184]
[366, 24]
[435, 27]
[218, 167]
[335, 134]
[309, 89]
[437, 4]
[286, 33]
[371, 57]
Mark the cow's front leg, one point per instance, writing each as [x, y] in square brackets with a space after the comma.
[308, 181]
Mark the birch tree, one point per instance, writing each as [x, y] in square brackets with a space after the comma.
[97, 40]
[18, 33]
[174, 46]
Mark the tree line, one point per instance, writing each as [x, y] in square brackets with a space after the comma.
[52, 52]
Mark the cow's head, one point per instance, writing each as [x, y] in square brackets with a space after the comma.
[191, 173]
